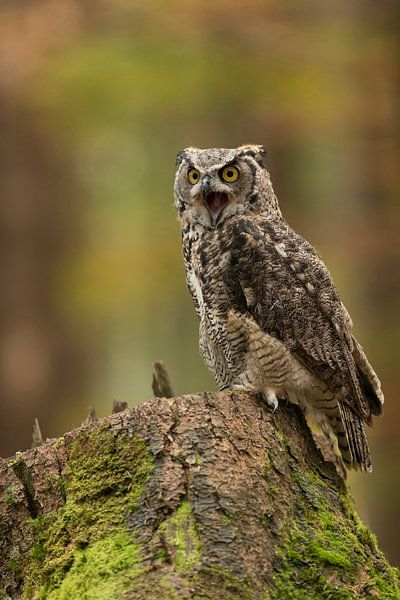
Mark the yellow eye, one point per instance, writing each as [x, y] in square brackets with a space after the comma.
[230, 174]
[194, 176]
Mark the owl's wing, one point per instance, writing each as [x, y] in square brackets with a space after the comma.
[280, 279]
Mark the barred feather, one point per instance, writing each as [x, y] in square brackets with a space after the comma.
[271, 319]
[356, 438]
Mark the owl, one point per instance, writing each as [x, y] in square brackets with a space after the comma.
[271, 319]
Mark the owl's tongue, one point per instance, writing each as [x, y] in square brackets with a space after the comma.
[216, 201]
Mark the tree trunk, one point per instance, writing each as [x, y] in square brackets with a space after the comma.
[204, 496]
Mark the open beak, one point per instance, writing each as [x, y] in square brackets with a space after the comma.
[215, 201]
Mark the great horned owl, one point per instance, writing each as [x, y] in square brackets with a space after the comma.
[271, 320]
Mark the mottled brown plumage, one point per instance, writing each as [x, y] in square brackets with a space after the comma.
[271, 320]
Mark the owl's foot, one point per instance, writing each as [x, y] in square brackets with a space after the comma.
[270, 398]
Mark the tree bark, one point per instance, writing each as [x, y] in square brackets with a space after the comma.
[203, 496]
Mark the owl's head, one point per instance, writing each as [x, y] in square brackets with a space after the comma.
[212, 185]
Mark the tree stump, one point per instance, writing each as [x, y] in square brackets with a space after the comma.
[207, 496]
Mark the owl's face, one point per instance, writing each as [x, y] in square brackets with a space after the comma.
[214, 184]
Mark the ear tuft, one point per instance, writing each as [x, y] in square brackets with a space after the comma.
[257, 151]
[180, 157]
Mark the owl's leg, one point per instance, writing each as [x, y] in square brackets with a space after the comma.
[243, 383]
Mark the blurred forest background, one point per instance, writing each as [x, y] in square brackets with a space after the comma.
[96, 98]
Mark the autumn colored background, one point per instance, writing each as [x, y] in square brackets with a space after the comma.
[96, 98]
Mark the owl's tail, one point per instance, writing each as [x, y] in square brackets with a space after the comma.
[352, 439]
[339, 433]
[369, 382]
[324, 430]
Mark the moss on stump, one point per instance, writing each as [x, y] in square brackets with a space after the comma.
[195, 497]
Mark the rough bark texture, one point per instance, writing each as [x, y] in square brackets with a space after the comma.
[205, 496]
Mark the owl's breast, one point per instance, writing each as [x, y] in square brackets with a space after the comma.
[207, 274]
[195, 287]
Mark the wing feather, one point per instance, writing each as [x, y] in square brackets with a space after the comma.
[293, 298]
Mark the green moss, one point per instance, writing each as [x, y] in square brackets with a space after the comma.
[367, 537]
[324, 550]
[16, 569]
[322, 554]
[101, 571]
[312, 542]
[294, 556]
[267, 468]
[166, 590]
[182, 538]
[9, 496]
[321, 589]
[326, 519]
[84, 550]
[217, 582]
[105, 478]
[303, 561]
[313, 488]
[363, 533]
[266, 520]
[386, 583]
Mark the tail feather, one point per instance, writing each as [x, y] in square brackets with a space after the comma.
[356, 438]
[368, 378]
[360, 401]
[341, 436]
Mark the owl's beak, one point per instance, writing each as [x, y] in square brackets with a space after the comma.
[206, 188]
[215, 201]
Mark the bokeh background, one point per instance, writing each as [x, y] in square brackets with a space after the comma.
[96, 98]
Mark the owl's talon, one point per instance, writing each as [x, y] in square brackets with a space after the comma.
[227, 386]
[271, 400]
